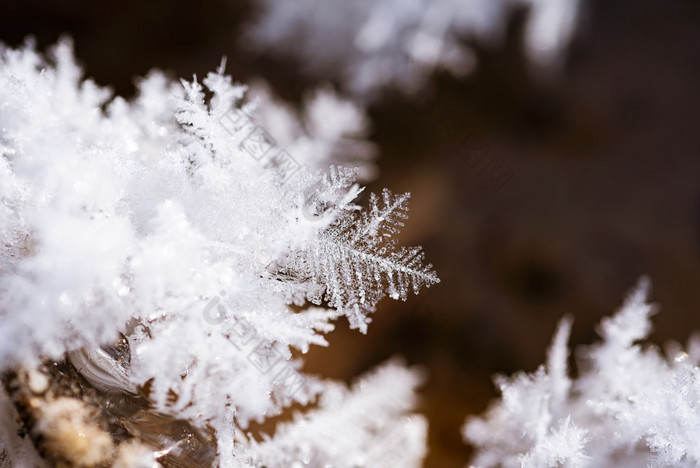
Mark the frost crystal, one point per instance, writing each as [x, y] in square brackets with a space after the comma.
[312, 135]
[370, 422]
[398, 43]
[358, 260]
[178, 221]
[630, 406]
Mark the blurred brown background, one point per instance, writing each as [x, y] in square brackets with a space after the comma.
[604, 160]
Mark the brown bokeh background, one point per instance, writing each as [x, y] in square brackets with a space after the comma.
[605, 186]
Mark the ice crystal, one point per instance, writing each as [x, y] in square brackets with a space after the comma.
[358, 260]
[310, 134]
[630, 405]
[176, 220]
[371, 427]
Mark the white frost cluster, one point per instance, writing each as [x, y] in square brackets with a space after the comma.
[398, 43]
[377, 430]
[176, 220]
[630, 406]
[322, 142]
